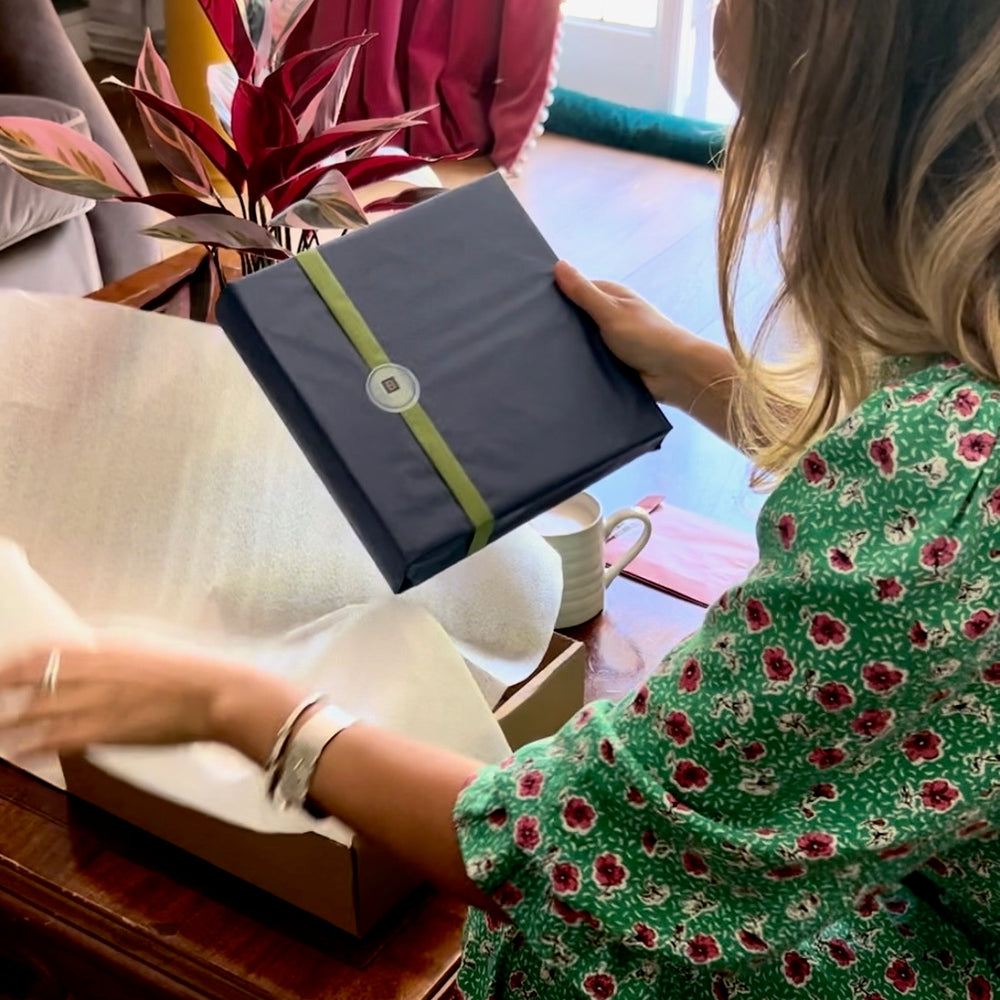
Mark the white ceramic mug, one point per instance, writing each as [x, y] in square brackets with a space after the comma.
[577, 530]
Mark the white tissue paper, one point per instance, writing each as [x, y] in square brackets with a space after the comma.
[149, 479]
[390, 664]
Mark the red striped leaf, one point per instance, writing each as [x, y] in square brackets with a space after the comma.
[357, 172]
[172, 147]
[373, 169]
[178, 205]
[374, 144]
[283, 17]
[227, 21]
[281, 165]
[213, 145]
[323, 111]
[299, 79]
[406, 199]
[260, 121]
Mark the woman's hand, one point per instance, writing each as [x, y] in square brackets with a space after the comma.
[121, 692]
[678, 368]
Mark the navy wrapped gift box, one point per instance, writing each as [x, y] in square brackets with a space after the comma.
[470, 342]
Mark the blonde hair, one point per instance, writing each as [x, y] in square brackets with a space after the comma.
[870, 131]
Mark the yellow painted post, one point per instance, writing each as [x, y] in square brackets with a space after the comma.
[191, 48]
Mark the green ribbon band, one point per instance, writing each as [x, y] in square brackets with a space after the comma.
[360, 334]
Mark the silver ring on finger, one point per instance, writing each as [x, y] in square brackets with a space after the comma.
[50, 677]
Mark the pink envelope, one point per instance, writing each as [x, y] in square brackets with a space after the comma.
[688, 556]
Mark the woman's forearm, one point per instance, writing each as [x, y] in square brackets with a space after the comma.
[401, 795]
[699, 380]
[393, 791]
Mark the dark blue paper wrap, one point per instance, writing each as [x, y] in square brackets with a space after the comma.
[516, 378]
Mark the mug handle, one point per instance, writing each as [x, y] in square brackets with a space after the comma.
[628, 514]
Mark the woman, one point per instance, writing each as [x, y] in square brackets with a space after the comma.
[803, 802]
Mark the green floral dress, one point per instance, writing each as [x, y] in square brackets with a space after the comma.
[804, 801]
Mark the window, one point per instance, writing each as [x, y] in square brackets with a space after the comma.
[637, 13]
[654, 54]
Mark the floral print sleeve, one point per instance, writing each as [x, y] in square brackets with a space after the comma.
[803, 801]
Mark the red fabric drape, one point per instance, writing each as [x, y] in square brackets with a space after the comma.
[486, 64]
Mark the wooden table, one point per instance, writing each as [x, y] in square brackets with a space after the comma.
[93, 909]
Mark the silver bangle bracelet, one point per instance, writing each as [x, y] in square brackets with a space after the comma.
[300, 760]
[274, 758]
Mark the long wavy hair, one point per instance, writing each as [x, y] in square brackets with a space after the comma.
[869, 133]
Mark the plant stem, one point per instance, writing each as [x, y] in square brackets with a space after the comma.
[214, 254]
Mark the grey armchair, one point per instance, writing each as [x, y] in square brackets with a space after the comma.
[49, 242]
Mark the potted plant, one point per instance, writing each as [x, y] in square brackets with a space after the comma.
[282, 165]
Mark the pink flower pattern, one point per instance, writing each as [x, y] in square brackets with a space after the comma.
[939, 553]
[976, 448]
[794, 758]
[677, 727]
[966, 403]
[814, 469]
[777, 667]
[826, 631]
[787, 530]
[922, 747]
[883, 453]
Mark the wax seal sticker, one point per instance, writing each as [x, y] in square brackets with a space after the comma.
[393, 388]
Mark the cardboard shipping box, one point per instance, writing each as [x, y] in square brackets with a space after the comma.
[350, 886]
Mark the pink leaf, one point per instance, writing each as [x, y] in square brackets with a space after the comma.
[260, 121]
[172, 148]
[58, 157]
[216, 230]
[323, 112]
[357, 172]
[177, 204]
[406, 199]
[327, 104]
[255, 16]
[262, 56]
[374, 144]
[373, 169]
[227, 21]
[299, 79]
[330, 205]
[280, 165]
[283, 16]
[297, 188]
[213, 145]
